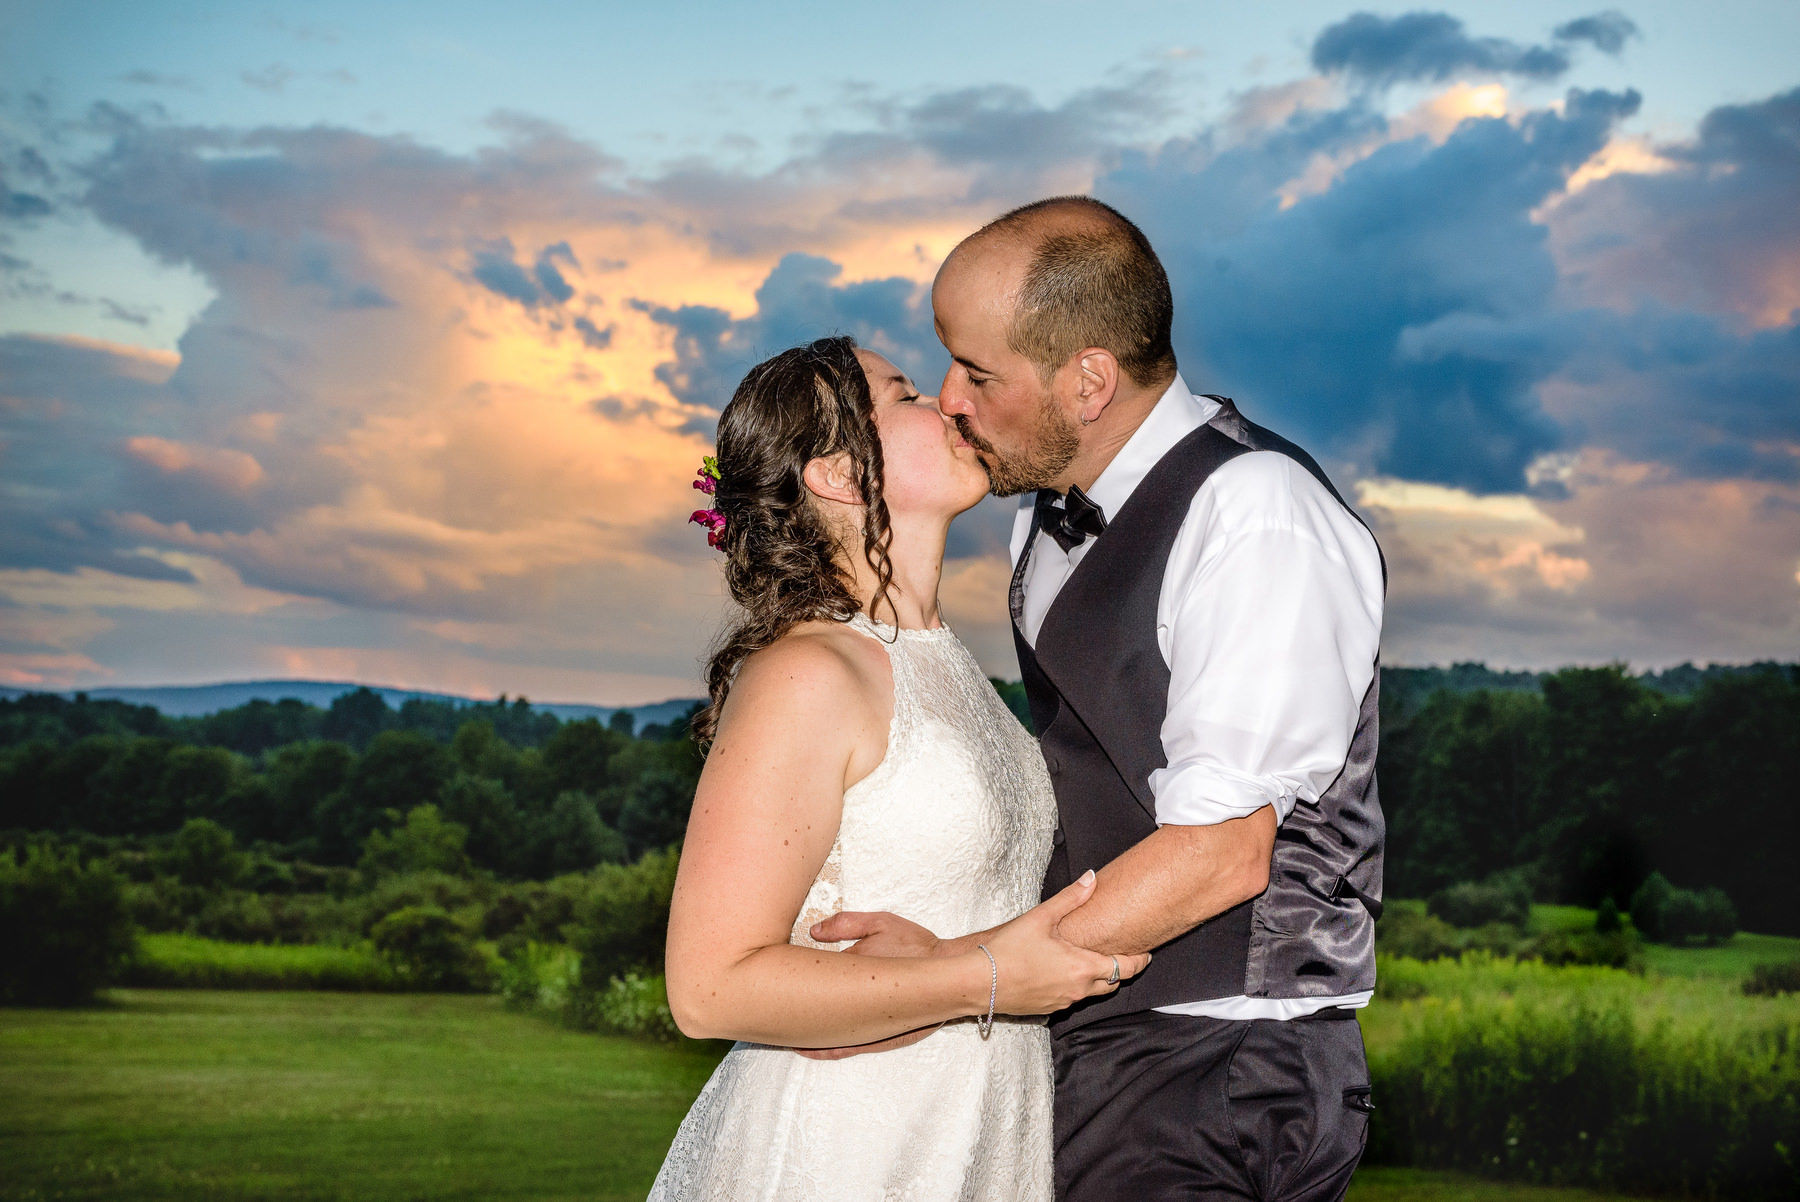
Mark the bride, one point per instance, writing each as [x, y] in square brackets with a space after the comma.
[861, 763]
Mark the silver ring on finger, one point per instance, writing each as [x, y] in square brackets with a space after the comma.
[1114, 979]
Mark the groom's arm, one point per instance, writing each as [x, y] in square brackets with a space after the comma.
[1269, 620]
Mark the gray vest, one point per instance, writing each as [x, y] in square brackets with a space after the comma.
[1099, 689]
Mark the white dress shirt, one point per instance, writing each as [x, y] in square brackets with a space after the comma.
[1269, 619]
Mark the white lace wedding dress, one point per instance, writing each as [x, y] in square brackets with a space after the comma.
[952, 829]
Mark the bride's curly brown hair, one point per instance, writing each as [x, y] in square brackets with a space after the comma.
[783, 563]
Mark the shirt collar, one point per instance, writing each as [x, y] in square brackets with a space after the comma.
[1175, 415]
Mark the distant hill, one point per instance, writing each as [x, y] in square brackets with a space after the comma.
[193, 701]
[1407, 687]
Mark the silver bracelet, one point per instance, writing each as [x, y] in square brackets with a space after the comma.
[986, 1025]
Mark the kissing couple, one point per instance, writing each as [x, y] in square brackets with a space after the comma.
[887, 884]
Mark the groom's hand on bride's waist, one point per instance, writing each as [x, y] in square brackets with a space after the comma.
[876, 933]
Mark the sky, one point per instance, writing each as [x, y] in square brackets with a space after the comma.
[380, 342]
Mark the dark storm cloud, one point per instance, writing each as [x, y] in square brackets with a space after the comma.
[1301, 312]
[799, 301]
[1429, 46]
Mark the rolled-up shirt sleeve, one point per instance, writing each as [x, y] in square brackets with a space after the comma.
[1269, 620]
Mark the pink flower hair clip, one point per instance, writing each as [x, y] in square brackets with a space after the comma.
[711, 519]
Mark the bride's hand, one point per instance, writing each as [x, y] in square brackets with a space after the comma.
[1039, 971]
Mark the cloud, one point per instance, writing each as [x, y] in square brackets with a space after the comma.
[439, 418]
[492, 265]
[1608, 31]
[273, 78]
[1435, 47]
[21, 206]
[800, 300]
[222, 467]
[1304, 312]
[1714, 227]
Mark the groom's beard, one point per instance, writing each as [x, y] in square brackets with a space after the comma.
[1053, 449]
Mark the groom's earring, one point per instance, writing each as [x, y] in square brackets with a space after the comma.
[1088, 421]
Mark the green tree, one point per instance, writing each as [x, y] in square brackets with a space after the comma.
[573, 837]
[424, 842]
[205, 855]
[401, 769]
[300, 777]
[577, 756]
[196, 781]
[498, 840]
[357, 717]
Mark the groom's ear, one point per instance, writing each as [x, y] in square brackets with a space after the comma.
[830, 477]
[1096, 380]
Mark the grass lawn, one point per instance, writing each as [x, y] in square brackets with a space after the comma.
[1375, 1184]
[1734, 958]
[165, 1094]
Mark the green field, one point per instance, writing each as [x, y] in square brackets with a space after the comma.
[179, 1094]
[289, 1094]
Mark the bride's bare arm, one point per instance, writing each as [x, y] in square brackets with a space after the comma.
[801, 720]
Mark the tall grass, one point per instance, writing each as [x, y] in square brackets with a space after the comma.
[174, 961]
[1587, 1076]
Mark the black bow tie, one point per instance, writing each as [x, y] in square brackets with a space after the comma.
[1072, 522]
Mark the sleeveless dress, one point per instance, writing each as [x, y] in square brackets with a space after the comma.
[952, 830]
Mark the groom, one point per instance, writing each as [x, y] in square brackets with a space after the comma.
[1197, 615]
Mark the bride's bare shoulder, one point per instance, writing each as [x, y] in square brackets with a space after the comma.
[818, 666]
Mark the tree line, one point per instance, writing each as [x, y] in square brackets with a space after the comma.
[537, 795]
[1580, 783]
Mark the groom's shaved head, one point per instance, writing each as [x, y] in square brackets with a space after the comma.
[1090, 279]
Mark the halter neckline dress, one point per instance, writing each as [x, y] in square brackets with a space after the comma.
[951, 829]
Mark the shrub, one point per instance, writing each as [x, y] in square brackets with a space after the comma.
[205, 855]
[1408, 931]
[1607, 918]
[1649, 905]
[535, 974]
[429, 950]
[622, 920]
[452, 893]
[634, 1005]
[1718, 917]
[1614, 949]
[1770, 980]
[1670, 915]
[64, 928]
[1470, 905]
